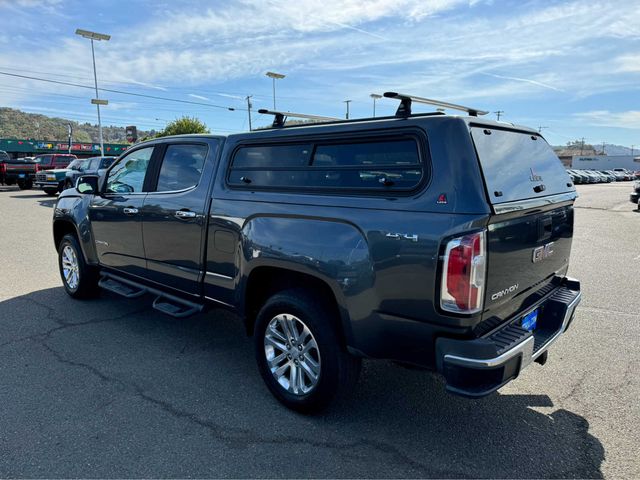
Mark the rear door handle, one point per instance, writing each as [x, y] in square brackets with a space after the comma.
[130, 210]
[185, 214]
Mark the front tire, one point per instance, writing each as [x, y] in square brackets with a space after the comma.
[299, 352]
[50, 191]
[79, 279]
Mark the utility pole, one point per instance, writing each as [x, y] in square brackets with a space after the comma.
[249, 110]
[603, 148]
[375, 97]
[499, 113]
[632, 150]
[347, 102]
[70, 132]
[540, 128]
[582, 146]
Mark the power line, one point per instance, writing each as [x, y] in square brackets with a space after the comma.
[120, 92]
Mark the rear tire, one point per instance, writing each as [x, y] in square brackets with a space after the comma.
[50, 191]
[288, 365]
[79, 279]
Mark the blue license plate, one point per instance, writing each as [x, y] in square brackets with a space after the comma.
[530, 320]
[21, 175]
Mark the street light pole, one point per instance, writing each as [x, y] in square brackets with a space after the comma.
[274, 76]
[95, 79]
[375, 97]
[96, 36]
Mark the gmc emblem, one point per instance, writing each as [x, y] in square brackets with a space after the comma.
[540, 253]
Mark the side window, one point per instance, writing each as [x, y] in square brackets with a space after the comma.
[93, 165]
[181, 167]
[106, 163]
[128, 174]
[391, 164]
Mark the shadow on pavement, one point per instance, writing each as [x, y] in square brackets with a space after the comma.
[109, 387]
[43, 199]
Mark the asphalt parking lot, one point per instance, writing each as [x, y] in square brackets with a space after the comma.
[112, 388]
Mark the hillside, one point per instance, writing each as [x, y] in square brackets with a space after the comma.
[18, 124]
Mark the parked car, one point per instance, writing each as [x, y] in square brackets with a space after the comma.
[86, 166]
[580, 176]
[608, 176]
[51, 172]
[626, 173]
[431, 239]
[24, 172]
[4, 159]
[575, 177]
[635, 195]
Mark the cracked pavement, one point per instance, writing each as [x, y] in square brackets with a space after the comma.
[112, 388]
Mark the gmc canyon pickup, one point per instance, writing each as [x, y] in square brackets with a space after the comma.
[436, 240]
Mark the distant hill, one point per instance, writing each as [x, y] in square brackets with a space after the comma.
[22, 125]
[575, 147]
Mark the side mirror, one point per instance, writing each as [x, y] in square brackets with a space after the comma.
[88, 185]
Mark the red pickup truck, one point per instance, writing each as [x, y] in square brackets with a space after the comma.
[23, 173]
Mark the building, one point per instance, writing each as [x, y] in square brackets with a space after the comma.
[605, 162]
[17, 148]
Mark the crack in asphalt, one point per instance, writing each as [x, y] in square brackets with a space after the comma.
[62, 325]
[235, 437]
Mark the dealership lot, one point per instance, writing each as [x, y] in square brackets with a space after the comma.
[112, 388]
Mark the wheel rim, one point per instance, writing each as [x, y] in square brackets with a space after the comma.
[70, 267]
[292, 354]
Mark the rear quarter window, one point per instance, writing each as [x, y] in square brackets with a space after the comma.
[373, 165]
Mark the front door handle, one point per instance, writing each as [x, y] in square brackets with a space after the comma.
[130, 210]
[185, 214]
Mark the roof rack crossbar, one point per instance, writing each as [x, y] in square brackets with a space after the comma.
[404, 109]
[281, 117]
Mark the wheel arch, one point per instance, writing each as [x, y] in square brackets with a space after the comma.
[265, 281]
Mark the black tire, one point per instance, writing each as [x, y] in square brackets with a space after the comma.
[67, 185]
[9, 182]
[87, 284]
[51, 191]
[338, 369]
[23, 186]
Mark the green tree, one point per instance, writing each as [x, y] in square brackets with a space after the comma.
[183, 125]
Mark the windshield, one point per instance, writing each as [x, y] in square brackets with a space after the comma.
[518, 165]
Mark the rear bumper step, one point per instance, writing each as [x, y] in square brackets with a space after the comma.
[475, 368]
[164, 302]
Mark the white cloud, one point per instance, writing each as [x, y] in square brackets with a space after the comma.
[605, 118]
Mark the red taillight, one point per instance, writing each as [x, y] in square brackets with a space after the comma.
[463, 272]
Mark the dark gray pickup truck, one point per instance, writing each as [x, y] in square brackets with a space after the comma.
[435, 240]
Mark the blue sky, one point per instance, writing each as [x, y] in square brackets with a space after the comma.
[573, 67]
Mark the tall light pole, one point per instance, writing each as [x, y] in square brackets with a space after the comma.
[347, 102]
[540, 128]
[274, 76]
[375, 97]
[96, 101]
[632, 150]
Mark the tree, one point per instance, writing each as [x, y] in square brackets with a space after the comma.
[183, 125]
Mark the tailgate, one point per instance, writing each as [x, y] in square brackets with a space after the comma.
[524, 254]
[530, 231]
[21, 167]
